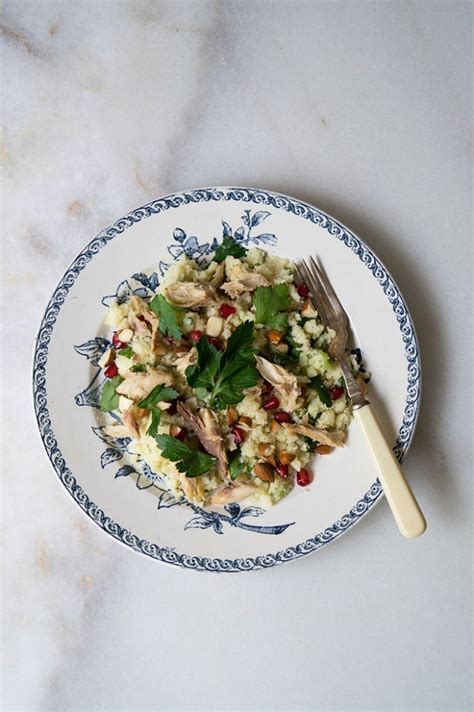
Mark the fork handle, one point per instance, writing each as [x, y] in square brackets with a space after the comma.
[402, 501]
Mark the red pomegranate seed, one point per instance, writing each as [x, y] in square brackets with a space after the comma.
[271, 404]
[182, 435]
[282, 417]
[303, 478]
[267, 388]
[226, 310]
[336, 392]
[302, 290]
[195, 335]
[117, 343]
[111, 371]
[215, 342]
[239, 435]
[282, 470]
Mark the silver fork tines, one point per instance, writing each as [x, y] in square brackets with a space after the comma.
[334, 317]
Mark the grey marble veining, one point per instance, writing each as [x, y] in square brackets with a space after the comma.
[363, 108]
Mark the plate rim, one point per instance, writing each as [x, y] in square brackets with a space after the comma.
[257, 196]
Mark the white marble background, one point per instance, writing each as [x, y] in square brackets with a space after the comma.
[363, 108]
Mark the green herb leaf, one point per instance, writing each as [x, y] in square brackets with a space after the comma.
[278, 321]
[168, 316]
[227, 247]
[159, 393]
[138, 368]
[317, 384]
[109, 398]
[225, 374]
[268, 301]
[127, 352]
[235, 466]
[191, 462]
[154, 423]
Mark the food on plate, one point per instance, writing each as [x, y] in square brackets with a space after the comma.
[223, 380]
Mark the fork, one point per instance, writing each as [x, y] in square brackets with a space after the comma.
[402, 501]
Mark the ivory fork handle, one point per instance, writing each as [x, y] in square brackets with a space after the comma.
[402, 501]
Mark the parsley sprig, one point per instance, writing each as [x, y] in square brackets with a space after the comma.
[168, 314]
[191, 462]
[227, 247]
[109, 398]
[270, 304]
[317, 384]
[222, 376]
[159, 393]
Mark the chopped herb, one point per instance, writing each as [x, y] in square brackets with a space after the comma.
[127, 352]
[270, 305]
[109, 398]
[228, 247]
[225, 374]
[138, 368]
[168, 316]
[191, 462]
[159, 393]
[154, 423]
[317, 384]
[235, 466]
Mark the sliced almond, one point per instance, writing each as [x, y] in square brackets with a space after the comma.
[107, 358]
[286, 457]
[125, 335]
[274, 336]
[232, 416]
[163, 405]
[214, 326]
[161, 349]
[324, 449]
[282, 348]
[264, 472]
[270, 459]
[275, 427]
[244, 420]
[174, 430]
[265, 449]
[308, 310]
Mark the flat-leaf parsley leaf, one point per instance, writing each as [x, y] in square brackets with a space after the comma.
[191, 462]
[227, 247]
[168, 316]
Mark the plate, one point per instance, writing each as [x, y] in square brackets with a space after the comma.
[131, 503]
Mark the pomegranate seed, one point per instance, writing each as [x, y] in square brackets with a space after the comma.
[111, 371]
[239, 435]
[336, 392]
[267, 388]
[271, 404]
[182, 435]
[303, 478]
[117, 343]
[225, 310]
[282, 417]
[195, 335]
[282, 470]
[302, 290]
[215, 342]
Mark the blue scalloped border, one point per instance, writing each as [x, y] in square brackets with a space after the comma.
[259, 197]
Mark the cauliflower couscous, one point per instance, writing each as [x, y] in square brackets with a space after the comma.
[223, 380]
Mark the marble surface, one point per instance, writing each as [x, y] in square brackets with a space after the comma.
[362, 108]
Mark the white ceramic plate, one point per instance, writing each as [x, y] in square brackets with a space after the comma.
[131, 504]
